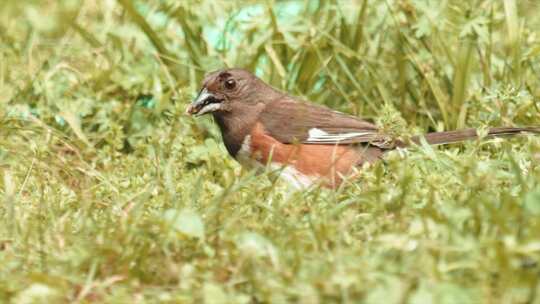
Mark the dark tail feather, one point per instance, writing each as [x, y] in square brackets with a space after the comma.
[441, 138]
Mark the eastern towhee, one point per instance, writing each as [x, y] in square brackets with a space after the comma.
[308, 143]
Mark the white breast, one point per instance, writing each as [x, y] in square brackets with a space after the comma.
[244, 156]
[294, 177]
[288, 173]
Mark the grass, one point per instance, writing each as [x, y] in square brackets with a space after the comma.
[109, 194]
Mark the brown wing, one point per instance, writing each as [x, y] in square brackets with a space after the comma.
[292, 121]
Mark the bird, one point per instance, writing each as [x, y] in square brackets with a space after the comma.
[308, 144]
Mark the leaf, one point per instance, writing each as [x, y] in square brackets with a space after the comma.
[532, 201]
[75, 124]
[255, 245]
[186, 222]
[214, 294]
[461, 82]
[38, 293]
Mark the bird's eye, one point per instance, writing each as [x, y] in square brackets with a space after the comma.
[230, 84]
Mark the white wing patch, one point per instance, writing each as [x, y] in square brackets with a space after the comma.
[319, 136]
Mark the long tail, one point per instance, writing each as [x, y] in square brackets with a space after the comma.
[448, 137]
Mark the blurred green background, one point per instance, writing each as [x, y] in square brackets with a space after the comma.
[110, 194]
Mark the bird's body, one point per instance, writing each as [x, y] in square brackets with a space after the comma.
[303, 164]
[307, 143]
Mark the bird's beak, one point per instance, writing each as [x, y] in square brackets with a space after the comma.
[204, 103]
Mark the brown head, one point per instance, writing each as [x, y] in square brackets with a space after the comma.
[222, 90]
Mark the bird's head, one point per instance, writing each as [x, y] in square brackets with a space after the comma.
[221, 89]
